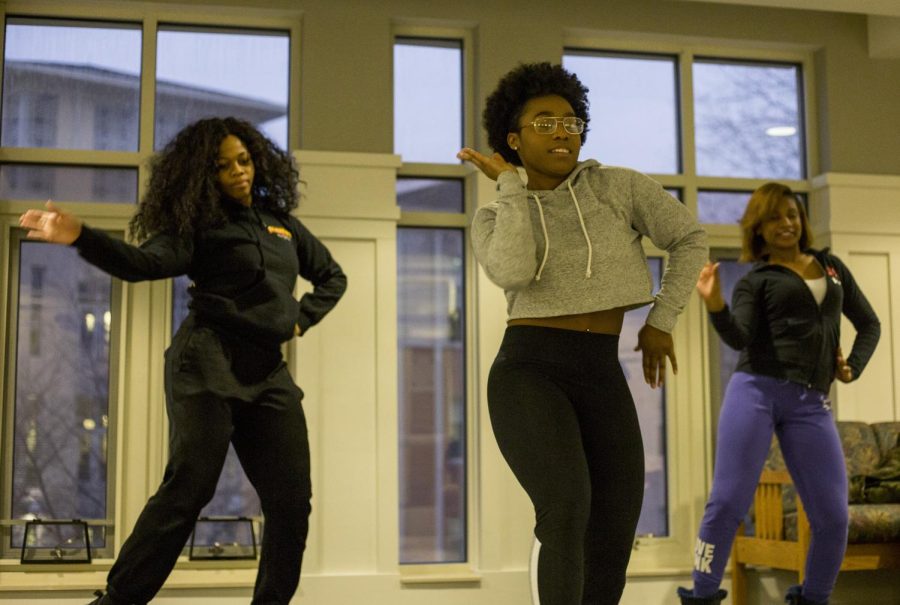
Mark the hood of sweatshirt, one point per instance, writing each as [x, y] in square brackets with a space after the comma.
[568, 188]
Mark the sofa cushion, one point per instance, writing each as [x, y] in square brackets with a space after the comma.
[861, 451]
[888, 436]
[868, 523]
[865, 447]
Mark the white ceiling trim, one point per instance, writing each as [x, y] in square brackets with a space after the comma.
[884, 8]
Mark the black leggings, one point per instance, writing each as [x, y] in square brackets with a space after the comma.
[566, 423]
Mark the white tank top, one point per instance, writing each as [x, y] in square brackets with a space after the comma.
[817, 287]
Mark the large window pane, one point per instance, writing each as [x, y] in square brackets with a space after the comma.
[68, 183]
[430, 195]
[721, 207]
[204, 73]
[633, 109]
[651, 408]
[235, 496]
[749, 121]
[431, 329]
[62, 406]
[71, 86]
[428, 100]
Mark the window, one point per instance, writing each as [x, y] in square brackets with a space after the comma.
[203, 73]
[432, 273]
[651, 409]
[68, 183]
[710, 129]
[428, 99]
[58, 422]
[79, 124]
[727, 207]
[749, 121]
[432, 415]
[746, 125]
[70, 85]
[59, 77]
[721, 207]
[636, 123]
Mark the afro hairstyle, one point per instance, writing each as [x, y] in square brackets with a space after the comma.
[504, 106]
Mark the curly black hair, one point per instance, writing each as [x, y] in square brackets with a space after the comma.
[183, 196]
[503, 107]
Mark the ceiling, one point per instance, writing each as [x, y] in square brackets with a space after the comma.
[883, 18]
[885, 8]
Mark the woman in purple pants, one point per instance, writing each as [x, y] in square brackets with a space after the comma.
[785, 319]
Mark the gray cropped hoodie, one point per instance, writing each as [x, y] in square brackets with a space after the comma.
[577, 248]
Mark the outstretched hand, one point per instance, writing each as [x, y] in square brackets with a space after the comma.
[656, 345]
[709, 287]
[842, 370]
[491, 166]
[51, 225]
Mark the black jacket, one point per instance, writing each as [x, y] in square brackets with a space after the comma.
[781, 332]
[244, 272]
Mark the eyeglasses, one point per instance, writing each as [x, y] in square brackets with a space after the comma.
[549, 124]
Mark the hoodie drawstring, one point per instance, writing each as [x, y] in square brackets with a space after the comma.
[590, 257]
[587, 272]
[546, 237]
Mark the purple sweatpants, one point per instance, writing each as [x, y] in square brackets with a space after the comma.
[755, 406]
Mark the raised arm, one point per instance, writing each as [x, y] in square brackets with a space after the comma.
[502, 239]
[160, 256]
[51, 225]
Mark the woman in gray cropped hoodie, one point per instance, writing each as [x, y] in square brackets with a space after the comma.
[566, 249]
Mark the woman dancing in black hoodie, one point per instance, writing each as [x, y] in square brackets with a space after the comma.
[218, 209]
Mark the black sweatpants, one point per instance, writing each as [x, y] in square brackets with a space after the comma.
[566, 423]
[259, 412]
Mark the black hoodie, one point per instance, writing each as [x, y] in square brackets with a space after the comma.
[781, 331]
[244, 272]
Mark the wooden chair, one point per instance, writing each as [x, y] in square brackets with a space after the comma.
[768, 546]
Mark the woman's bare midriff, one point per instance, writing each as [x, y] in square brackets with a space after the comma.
[608, 321]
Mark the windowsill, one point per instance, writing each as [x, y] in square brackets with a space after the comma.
[15, 576]
[241, 574]
[448, 573]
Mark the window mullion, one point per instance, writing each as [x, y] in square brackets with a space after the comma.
[148, 101]
[688, 149]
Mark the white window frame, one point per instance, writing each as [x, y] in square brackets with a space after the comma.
[465, 571]
[688, 395]
[11, 256]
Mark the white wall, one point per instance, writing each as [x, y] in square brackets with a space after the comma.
[859, 217]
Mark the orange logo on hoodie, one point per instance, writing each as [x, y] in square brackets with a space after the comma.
[280, 232]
